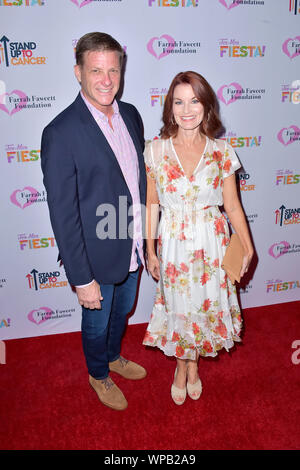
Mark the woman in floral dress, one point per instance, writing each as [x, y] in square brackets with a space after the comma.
[190, 174]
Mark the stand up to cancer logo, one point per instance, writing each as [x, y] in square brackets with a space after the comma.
[285, 216]
[19, 53]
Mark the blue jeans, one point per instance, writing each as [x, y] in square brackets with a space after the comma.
[102, 330]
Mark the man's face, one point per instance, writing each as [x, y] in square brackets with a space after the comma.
[100, 77]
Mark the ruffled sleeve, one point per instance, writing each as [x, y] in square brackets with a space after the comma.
[149, 161]
[231, 162]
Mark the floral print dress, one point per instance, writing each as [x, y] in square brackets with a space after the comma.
[196, 307]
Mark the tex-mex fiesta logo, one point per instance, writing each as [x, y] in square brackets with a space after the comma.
[33, 241]
[237, 141]
[278, 285]
[20, 153]
[15, 52]
[290, 93]
[173, 3]
[157, 96]
[39, 280]
[288, 177]
[5, 322]
[19, 3]
[231, 48]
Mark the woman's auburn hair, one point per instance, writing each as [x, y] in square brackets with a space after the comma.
[211, 124]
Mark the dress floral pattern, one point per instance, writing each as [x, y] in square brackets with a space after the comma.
[196, 307]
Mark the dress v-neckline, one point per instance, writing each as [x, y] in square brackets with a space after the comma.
[179, 162]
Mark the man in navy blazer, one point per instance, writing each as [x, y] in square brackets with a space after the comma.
[94, 174]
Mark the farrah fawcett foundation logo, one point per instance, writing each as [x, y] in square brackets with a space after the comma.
[229, 4]
[17, 100]
[234, 92]
[27, 196]
[43, 314]
[164, 45]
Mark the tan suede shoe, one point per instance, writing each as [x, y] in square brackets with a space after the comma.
[127, 369]
[108, 393]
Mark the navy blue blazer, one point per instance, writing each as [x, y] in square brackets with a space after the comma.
[81, 172]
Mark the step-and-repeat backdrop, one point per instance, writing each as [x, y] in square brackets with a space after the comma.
[247, 49]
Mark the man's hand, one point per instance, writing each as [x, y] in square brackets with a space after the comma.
[90, 296]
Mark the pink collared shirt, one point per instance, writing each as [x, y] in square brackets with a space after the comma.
[123, 147]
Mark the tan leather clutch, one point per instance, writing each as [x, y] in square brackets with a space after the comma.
[233, 259]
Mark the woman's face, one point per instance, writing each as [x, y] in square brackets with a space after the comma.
[187, 110]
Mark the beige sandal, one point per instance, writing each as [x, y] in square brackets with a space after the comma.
[178, 394]
[194, 390]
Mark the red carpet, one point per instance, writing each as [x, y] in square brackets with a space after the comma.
[250, 400]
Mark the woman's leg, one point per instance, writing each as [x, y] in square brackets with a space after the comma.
[192, 370]
[180, 378]
[178, 389]
[194, 385]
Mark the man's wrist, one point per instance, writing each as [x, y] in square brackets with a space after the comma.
[85, 285]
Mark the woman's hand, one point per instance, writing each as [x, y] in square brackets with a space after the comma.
[153, 267]
[246, 262]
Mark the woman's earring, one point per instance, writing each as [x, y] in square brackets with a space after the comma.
[173, 121]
